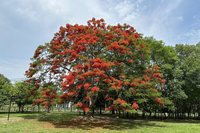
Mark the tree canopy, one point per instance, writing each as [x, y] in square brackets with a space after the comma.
[5, 85]
[97, 60]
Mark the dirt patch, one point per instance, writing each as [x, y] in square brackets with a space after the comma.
[47, 125]
[87, 123]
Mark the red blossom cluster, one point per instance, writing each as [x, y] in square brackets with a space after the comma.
[48, 96]
[82, 106]
[135, 105]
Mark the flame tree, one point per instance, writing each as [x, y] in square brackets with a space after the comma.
[87, 61]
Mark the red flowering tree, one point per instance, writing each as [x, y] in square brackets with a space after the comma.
[86, 61]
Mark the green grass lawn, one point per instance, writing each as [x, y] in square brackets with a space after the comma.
[72, 123]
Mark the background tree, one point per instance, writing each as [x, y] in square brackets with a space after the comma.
[5, 85]
[166, 57]
[189, 64]
[22, 89]
[180, 67]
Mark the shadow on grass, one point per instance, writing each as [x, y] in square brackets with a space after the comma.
[30, 116]
[72, 120]
[57, 118]
[188, 121]
[27, 115]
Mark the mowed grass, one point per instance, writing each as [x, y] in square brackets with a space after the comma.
[72, 123]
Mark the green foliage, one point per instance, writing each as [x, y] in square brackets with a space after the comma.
[189, 64]
[180, 66]
[166, 58]
[5, 86]
[21, 90]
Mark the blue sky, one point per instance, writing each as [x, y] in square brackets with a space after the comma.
[25, 24]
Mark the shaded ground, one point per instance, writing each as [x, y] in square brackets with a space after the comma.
[101, 122]
[71, 122]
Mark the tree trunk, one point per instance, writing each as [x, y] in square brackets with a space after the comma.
[150, 114]
[71, 107]
[93, 112]
[127, 115]
[22, 108]
[100, 110]
[143, 114]
[83, 113]
[165, 116]
[119, 115]
[19, 106]
[38, 108]
[48, 109]
[188, 115]
[198, 117]
[92, 104]
[52, 108]
[113, 112]
[155, 114]
[169, 115]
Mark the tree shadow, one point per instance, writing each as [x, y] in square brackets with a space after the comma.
[107, 121]
[29, 116]
[57, 118]
[25, 115]
[72, 120]
[188, 121]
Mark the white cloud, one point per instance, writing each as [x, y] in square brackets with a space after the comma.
[78, 11]
[28, 13]
[14, 69]
[160, 19]
[180, 18]
[193, 36]
[151, 19]
[124, 8]
[54, 6]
